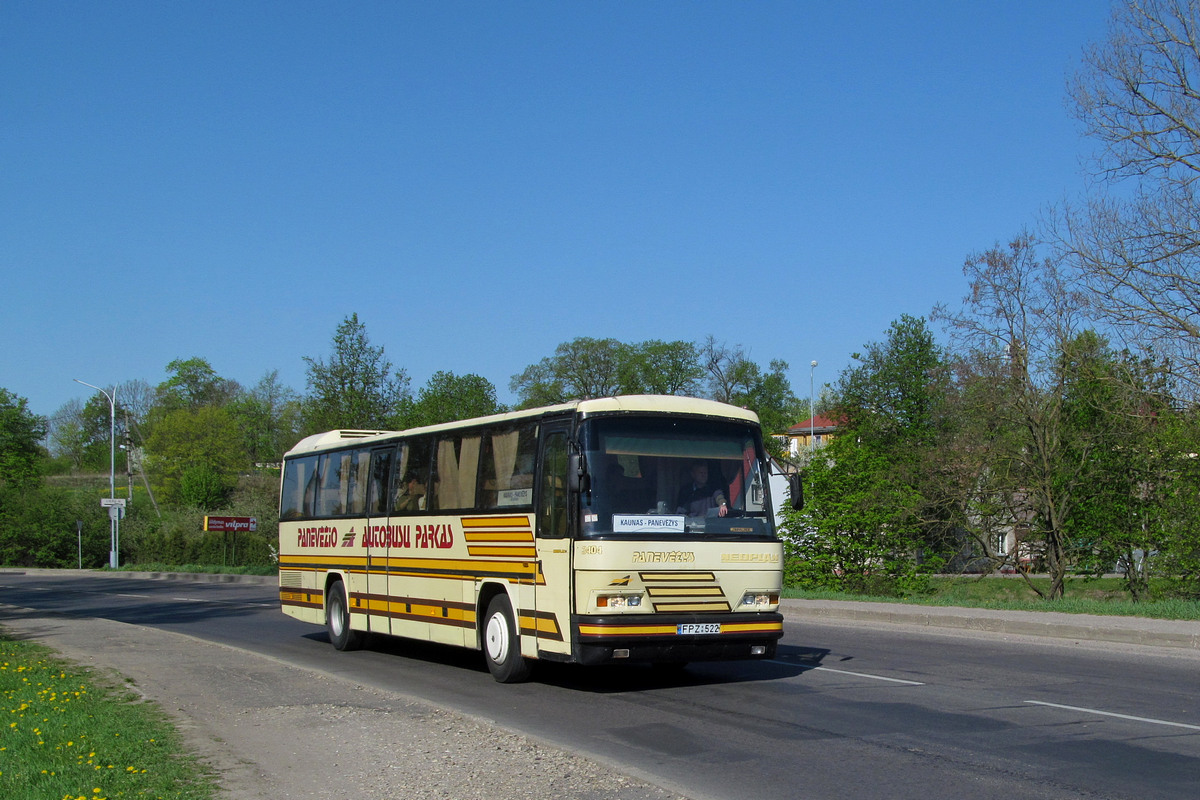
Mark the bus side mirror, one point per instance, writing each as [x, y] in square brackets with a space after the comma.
[577, 477]
[796, 490]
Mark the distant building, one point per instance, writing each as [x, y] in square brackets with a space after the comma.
[811, 433]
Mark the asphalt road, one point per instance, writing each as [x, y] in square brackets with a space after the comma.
[846, 710]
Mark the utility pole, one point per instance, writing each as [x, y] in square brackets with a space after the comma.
[114, 510]
[812, 408]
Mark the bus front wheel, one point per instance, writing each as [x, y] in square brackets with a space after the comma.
[337, 619]
[501, 645]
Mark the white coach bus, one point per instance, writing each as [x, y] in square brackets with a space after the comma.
[633, 528]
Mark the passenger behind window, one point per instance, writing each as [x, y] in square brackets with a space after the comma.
[412, 494]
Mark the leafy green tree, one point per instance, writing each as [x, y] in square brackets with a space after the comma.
[200, 486]
[581, 368]
[268, 416]
[658, 367]
[193, 384]
[1177, 510]
[769, 394]
[1122, 519]
[357, 387]
[894, 401]
[448, 397]
[894, 393]
[37, 527]
[585, 368]
[182, 440]
[858, 530]
[20, 433]
[99, 424]
[880, 526]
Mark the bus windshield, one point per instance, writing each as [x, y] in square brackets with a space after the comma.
[662, 477]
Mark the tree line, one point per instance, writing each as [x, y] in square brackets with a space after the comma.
[200, 443]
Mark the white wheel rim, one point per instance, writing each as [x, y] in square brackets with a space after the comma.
[497, 638]
[336, 620]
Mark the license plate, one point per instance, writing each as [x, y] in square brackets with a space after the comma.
[695, 628]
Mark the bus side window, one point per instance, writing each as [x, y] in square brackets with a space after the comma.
[377, 491]
[552, 519]
[299, 488]
[330, 492]
[357, 476]
[411, 478]
[506, 468]
[455, 472]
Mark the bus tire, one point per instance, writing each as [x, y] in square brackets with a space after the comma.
[337, 619]
[501, 645]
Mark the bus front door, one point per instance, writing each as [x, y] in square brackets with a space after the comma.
[551, 614]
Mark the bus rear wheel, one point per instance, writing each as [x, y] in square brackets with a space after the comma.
[501, 645]
[337, 619]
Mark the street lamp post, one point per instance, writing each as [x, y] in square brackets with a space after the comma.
[812, 409]
[113, 512]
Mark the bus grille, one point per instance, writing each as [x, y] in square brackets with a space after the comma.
[684, 591]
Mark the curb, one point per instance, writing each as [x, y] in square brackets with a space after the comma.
[188, 577]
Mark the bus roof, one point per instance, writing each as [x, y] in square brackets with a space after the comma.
[630, 403]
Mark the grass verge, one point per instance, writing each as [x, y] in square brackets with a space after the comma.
[64, 733]
[1100, 596]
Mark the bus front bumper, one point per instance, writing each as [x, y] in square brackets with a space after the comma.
[676, 637]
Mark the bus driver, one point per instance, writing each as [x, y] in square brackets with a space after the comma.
[697, 496]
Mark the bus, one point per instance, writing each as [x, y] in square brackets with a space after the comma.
[620, 529]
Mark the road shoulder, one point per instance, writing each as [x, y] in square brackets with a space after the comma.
[273, 730]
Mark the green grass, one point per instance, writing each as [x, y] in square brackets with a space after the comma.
[66, 734]
[1102, 596]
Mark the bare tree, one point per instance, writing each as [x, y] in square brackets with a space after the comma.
[1136, 240]
[1016, 332]
[730, 370]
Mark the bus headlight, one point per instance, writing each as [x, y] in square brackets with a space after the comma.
[757, 599]
[618, 602]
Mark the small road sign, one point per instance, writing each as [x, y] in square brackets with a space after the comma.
[228, 524]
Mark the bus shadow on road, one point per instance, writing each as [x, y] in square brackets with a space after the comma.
[790, 661]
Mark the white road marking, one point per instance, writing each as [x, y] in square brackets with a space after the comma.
[847, 672]
[1118, 716]
[872, 677]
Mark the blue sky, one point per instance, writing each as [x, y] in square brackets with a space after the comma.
[482, 181]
